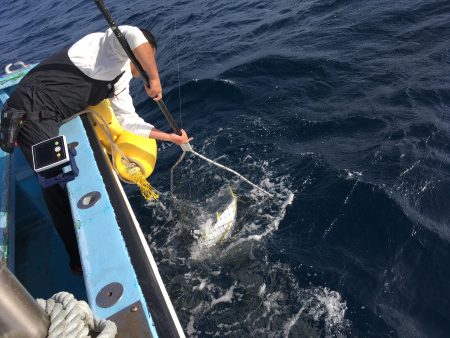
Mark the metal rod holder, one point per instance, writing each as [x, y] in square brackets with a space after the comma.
[20, 315]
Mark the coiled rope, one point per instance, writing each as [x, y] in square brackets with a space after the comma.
[70, 318]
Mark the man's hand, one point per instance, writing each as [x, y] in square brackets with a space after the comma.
[155, 90]
[180, 139]
[177, 139]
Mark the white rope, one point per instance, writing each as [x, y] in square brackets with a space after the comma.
[107, 131]
[114, 147]
[70, 318]
[231, 171]
[173, 169]
[188, 148]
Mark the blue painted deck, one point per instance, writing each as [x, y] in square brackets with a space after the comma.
[103, 252]
[41, 260]
[6, 205]
[28, 241]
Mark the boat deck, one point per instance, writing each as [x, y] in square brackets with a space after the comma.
[120, 278]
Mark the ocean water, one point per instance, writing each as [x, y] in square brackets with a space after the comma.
[339, 109]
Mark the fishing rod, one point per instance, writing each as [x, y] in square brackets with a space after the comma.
[162, 106]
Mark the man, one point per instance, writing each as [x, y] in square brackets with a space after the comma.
[94, 68]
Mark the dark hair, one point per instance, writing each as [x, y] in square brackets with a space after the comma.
[149, 36]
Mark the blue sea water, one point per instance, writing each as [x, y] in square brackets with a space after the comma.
[338, 108]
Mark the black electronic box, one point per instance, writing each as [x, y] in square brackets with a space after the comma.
[50, 153]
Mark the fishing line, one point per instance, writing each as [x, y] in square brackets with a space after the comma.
[229, 170]
[181, 123]
[178, 63]
[173, 169]
[126, 47]
[341, 210]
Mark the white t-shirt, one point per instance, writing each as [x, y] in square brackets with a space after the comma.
[101, 57]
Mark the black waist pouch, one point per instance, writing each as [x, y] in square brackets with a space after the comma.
[11, 123]
[10, 126]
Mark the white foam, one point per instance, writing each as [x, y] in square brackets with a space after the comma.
[262, 290]
[329, 307]
[201, 286]
[291, 322]
[352, 174]
[281, 309]
[228, 81]
[226, 298]
[258, 218]
[190, 329]
[270, 227]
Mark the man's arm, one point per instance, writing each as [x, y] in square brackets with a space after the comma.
[123, 108]
[162, 136]
[145, 54]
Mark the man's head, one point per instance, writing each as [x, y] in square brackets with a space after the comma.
[150, 37]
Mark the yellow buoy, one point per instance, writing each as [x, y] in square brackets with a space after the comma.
[105, 110]
[139, 150]
[134, 156]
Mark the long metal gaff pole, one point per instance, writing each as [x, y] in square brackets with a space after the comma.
[162, 106]
[126, 47]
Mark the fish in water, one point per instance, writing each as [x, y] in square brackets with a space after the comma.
[221, 229]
